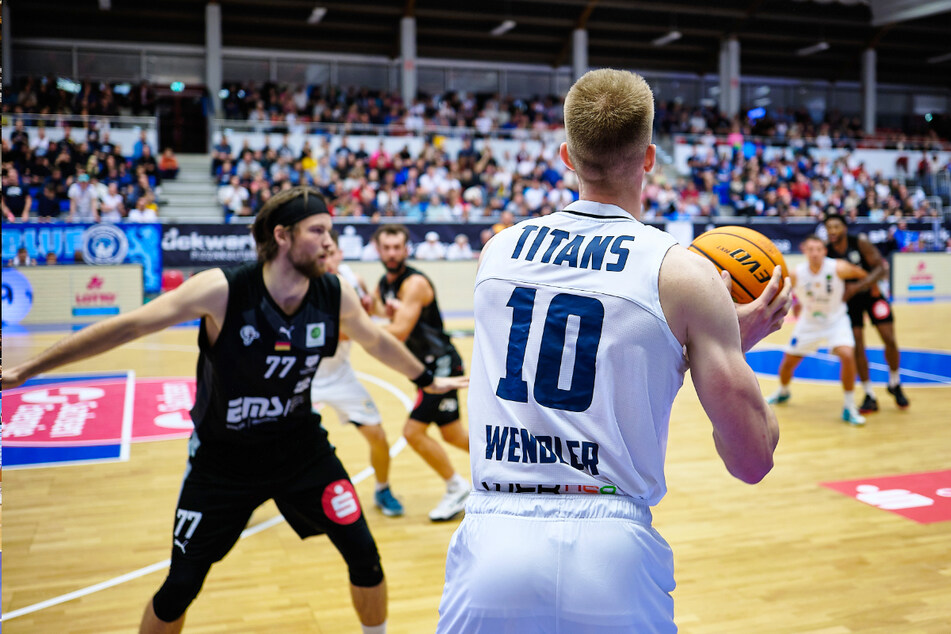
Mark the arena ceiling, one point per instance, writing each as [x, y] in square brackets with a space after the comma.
[620, 32]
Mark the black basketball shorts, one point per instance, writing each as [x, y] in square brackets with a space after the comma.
[317, 498]
[441, 409]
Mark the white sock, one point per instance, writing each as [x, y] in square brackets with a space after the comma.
[850, 400]
[374, 629]
[782, 390]
[382, 485]
[867, 385]
[894, 378]
[456, 483]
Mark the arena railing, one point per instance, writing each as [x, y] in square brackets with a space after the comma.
[383, 130]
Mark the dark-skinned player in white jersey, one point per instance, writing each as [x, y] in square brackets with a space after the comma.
[264, 328]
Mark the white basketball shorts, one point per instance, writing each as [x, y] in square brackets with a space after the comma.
[347, 397]
[533, 564]
[808, 335]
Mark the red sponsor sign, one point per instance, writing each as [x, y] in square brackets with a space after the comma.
[93, 412]
[67, 414]
[922, 497]
[161, 408]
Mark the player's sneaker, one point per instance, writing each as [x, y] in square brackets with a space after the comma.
[900, 399]
[852, 416]
[388, 504]
[452, 504]
[869, 405]
[778, 397]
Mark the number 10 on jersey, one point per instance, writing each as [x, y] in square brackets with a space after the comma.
[572, 329]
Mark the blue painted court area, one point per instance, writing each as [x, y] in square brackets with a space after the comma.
[918, 367]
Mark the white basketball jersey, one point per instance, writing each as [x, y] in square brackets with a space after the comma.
[820, 293]
[332, 367]
[574, 367]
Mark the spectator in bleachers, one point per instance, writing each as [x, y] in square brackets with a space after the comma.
[233, 195]
[459, 249]
[16, 200]
[431, 248]
[145, 210]
[22, 258]
[51, 259]
[112, 208]
[48, 205]
[84, 201]
[168, 164]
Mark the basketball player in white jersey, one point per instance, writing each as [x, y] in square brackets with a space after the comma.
[585, 322]
[336, 385]
[820, 292]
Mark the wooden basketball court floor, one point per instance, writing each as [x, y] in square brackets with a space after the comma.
[787, 555]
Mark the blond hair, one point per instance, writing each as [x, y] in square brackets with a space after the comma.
[608, 119]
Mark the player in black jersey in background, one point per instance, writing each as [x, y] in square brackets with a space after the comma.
[408, 299]
[264, 328]
[859, 251]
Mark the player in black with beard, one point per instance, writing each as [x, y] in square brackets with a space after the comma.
[264, 328]
[408, 299]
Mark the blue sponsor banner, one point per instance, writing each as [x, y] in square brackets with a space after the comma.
[99, 243]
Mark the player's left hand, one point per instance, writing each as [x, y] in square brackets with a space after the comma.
[12, 378]
[766, 313]
[443, 384]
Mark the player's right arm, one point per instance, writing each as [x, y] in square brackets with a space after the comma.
[702, 316]
[202, 295]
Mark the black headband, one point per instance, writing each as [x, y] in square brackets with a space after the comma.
[296, 210]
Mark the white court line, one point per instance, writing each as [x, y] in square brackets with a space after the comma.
[397, 447]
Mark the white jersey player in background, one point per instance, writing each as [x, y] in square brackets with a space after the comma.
[820, 292]
[336, 385]
[585, 322]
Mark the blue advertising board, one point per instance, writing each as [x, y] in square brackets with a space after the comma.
[99, 243]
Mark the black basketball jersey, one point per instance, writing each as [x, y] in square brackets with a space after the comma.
[854, 255]
[852, 252]
[252, 409]
[428, 341]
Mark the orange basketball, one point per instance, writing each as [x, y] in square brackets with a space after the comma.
[748, 256]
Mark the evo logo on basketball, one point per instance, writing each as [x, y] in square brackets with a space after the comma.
[745, 259]
[316, 335]
[340, 502]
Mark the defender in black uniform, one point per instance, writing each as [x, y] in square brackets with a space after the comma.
[408, 299]
[264, 329]
[864, 299]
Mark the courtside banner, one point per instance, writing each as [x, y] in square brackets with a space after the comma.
[103, 243]
[194, 245]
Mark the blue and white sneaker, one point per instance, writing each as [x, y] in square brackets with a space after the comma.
[851, 416]
[778, 397]
[387, 503]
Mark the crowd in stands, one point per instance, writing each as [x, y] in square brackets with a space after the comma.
[788, 185]
[56, 95]
[287, 107]
[797, 128]
[90, 181]
[472, 185]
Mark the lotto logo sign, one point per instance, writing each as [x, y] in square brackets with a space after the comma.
[340, 502]
[922, 497]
